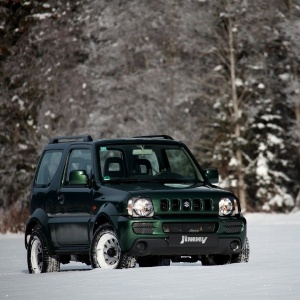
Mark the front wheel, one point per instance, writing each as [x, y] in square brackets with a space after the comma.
[243, 256]
[106, 251]
[38, 258]
[153, 261]
[215, 259]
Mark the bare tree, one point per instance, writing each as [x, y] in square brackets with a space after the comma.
[236, 106]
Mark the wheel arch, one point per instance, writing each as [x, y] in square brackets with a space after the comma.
[101, 220]
[38, 219]
[105, 215]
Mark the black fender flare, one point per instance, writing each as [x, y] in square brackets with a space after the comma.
[107, 213]
[39, 218]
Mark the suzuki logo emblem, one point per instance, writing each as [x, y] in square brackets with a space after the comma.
[186, 204]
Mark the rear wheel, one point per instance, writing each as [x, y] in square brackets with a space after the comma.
[106, 251]
[38, 258]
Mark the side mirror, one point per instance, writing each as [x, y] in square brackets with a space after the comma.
[212, 175]
[78, 177]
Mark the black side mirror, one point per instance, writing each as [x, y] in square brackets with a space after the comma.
[78, 177]
[212, 175]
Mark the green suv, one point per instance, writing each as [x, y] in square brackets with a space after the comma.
[115, 203]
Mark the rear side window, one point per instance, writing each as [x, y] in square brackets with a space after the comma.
[48, 167]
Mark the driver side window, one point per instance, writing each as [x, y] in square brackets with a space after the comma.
[79, 159]
[179, 163]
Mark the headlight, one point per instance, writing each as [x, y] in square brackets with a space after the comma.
[228, 207]
[140, 207]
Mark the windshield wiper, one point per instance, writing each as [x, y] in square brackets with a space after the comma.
[120, 180]
[128, 180]
[159, 180]
[178, 180]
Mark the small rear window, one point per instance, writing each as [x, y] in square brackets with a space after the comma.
[48, 167]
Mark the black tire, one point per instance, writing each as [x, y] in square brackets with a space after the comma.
[215, 260]
[153, 261]
[106, 252]
[38, 258]
[243, 256]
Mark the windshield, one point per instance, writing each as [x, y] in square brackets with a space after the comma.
[149, 162]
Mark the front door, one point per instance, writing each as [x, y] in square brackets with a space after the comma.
[74, 202]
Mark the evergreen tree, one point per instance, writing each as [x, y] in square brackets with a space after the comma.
[252, 117]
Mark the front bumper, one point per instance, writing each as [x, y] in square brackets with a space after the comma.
[222, 240]
[161, 246]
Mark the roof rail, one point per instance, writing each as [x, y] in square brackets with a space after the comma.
[162, 136]
[64, 139]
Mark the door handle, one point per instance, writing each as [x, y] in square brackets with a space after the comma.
[61, 199]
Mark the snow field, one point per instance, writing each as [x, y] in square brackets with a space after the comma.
[272, 273]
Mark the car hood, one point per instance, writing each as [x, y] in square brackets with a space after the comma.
[170, 198]
[170, 190]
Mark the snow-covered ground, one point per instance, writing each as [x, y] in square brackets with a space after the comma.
[272, 273]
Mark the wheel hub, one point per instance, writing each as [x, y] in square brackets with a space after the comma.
[108, 251]
[111, 252]
[39, 257]
[36, 256]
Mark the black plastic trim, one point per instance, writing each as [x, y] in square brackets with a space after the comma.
[64, 139]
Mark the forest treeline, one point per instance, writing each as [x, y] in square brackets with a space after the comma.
[220, 75]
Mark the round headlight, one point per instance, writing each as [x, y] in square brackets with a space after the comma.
[140, 207]
[225, 207]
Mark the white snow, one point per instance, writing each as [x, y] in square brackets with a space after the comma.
[284, 76]
[269, 118]
[273, 272]
[41, 16]
[218, 68]
[30, 122]
[239, 82]
[262, 167]
[274, 140]
[23, 146]
[233, 162]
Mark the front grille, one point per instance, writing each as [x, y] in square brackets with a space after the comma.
[143, 228]
[175, 204]
[186, 204]
[164, 204]
[233, 227]
[197, 204]
[189, 227]
[208, 204]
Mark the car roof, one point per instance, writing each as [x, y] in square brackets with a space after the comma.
[65, 141]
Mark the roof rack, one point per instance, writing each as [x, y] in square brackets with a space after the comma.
[162, 136]
[64, 139]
